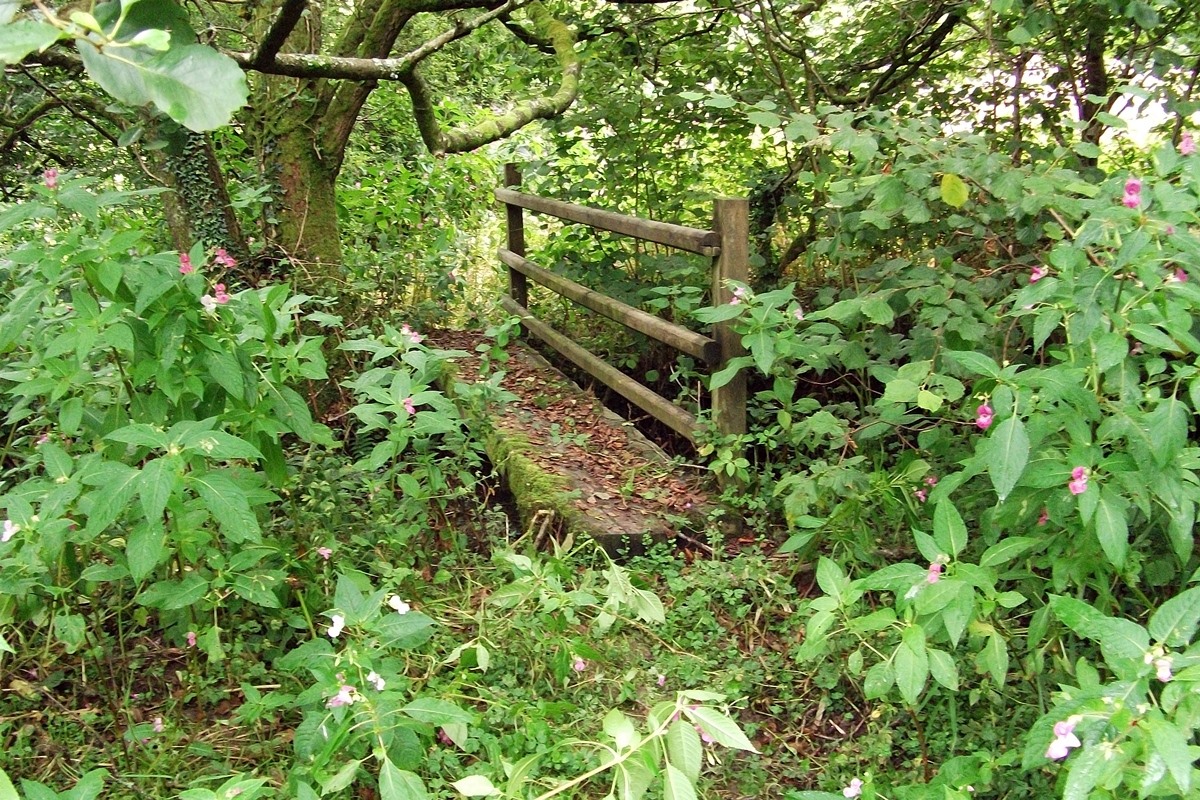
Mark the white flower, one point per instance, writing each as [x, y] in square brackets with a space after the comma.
[399, 605]
[209, 302]
[339, 624]
[376, 680]
[10, 530]
[346, 695]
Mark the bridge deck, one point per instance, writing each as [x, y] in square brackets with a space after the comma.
[575, 467]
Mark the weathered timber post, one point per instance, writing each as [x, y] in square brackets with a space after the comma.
[731, 220]
[518, 286]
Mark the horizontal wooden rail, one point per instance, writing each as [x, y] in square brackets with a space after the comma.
[665, 412]
[677, 336]
[694, 240]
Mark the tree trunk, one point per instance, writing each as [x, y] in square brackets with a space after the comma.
[307, 228]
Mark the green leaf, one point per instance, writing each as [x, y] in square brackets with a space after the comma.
[684, 749]
[155, 485]
[1111, 527]
[1084, 771]
[618, 726]
[1172, 746]
[879, 680]
[170, 595]
[475, 786]
[1008, 455]
[943, 669]
[676, 785]
[433, 711]
[1122, 638]
[228, 505]
[831, 579]
[1174, 623]
[194, 85]
[258, 588]
[949, 531]
[766, 119]
[911, 664]
[976, 363]
[70, 630]
[1078, 616]
[145, 549]
[721, 728]
[19, 39]
[1006, 550]
[7, 790]
[995, 658]
[399, 784]
[220, 445]
[954, 190]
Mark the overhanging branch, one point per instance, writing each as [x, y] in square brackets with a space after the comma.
[499, 126]
[278, 33]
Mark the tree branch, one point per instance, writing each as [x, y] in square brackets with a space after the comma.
[499, 126]
[279, 31]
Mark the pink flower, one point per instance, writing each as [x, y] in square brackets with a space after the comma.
[1037, 273]
[1133, 193]
[219, 294]
[1187, 145]
[185, 264]
[223, 259]
[579, 665]
[1079, 480]
[983, 417]
[191, 638]
[1178, 276]
[325, 552]
[1064, 738]
[704, 736]
[10, 530]
[1044, 517]
[43, 439]
[935, 572]
[798, 313]
[413, 336]
[158, 725]
[50, 177]
[662, 681]
[738, 294]
[345, 696]
[444, 737]
[408, 405]
[1163, 669]
[921, 495]
[854, 789]
[209, 302]
[931, 480]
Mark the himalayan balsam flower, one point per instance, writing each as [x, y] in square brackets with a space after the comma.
[219, 294]
[1044, 517]
[223, 259]
[1187, 145]
[1133, 193]
[921, 494]
[50, 176]
[1162, 667]
[339, 624]
[935, 572]
[413, 336]
[1178, 276]
[854, 789]
[931, 480]
[798, 313]
[1079, 480]
[158, 725]
[1064, 738]
[345, 696]
[191, 638]
[1037, 273]
[398, 605]
[704, 735]
[408, 405]
[185, 264]
[324, 552]
[738, 294]
[10, 530]
[580, 665]
[375, 680]
[984, 416]
[662, 680]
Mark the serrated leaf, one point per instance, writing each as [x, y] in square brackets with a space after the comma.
[475, 786]
[949, 530]
[1006, 550]
[433, 711]
[684, 749]
[676, 785]
[976, 363]
[1112, 529]
[618, 726]
[1174, 623]
[399, 784]
[954, 190]
[721, 728]
[1008, 456]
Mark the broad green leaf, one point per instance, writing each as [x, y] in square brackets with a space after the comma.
[954, 190]
[155, 485]
[1008, 455]
[721, 728]
[618, 726]
[1083, 771]
[1174, 623]
[879, 680]
[7, 790]
[911, 664]
[684, 749]
[145, 549]
[949, 530]
[1006, 550]
[399, 784]
[19, 39]
[632, 780]
[170, 595]
[676, 785]
[1078, 616]
[1122, 638]
[475, 786]
[342, 778]
[1111, 527]
[226, 501]
[88, 787]
[994, 658]
[433, 711]
[194, 85]
[258, 588]
[976, 363]
[831, 579]
[70, 630]
[1172, 745]
[943, 669]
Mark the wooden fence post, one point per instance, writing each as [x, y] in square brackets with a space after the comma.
[518, 286]
[731, 219]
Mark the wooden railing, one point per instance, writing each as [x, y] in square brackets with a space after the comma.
[727, 244]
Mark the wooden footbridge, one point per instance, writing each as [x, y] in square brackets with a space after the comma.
[573, 466]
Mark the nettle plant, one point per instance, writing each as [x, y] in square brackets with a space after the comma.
[146, 407]
[1049, 452]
